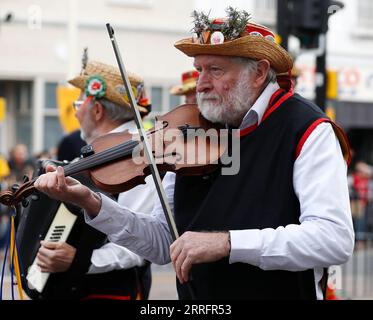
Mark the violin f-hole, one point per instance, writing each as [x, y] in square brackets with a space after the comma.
[184, 129]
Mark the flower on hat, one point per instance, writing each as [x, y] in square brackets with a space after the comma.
[230, 27]
[100, 80]
[95, 87]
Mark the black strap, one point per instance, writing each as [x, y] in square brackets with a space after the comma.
[324, 282]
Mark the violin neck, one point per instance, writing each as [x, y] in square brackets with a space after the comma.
[112, 154]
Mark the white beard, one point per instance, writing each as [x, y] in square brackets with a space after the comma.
[83, 135]
[229, 109]
[88, 133]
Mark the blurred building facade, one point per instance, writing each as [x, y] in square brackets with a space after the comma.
[42, 44]
[350, 55]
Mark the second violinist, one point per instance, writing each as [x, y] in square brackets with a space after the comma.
[106, 270]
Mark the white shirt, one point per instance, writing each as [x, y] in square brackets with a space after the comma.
[141, 198]
[323, 238]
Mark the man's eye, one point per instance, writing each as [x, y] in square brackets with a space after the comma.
[216, 72]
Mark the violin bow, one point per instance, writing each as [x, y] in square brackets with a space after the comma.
[147, 150]
[140, 127]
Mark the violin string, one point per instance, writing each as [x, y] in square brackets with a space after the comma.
[114, 153]
[121, 150]
[96, 159]
[103, 157]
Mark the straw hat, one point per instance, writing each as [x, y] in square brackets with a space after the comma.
[104, 81]
[295, 72]
[188, 83]
[231, 37]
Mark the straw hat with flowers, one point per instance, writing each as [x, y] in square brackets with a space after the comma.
[99, 80]
[188, 83]
[235, 36]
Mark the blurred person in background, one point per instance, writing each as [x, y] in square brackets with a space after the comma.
[360, 195]
[20, 164]
[4, 173]
[187, 87]
[70, 146]
[4, 169]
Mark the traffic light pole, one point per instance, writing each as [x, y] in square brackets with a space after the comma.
[282, 22]
[321, 77]
[308, 20]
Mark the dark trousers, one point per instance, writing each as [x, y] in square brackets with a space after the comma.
[113, 285]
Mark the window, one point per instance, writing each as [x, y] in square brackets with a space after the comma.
[23, 130]
[21, 104]
[50, 95]
[156, 99]
[174, 101]
[53, 132]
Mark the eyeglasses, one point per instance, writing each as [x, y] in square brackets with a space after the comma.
[77, 104]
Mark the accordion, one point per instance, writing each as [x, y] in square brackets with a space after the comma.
[52, 220]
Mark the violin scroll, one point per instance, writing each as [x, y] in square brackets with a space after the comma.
[18, 194]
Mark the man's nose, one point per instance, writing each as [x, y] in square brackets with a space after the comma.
[204, 83]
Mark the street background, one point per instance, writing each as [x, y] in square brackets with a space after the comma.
[41, 48]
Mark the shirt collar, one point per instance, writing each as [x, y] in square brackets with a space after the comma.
[256, 112]
[129, 125]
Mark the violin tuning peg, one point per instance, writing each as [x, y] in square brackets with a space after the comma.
[25, 203]
[15, 187]
[25, 179]
[86, 151]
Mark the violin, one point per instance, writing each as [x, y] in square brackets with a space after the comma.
[113, 169]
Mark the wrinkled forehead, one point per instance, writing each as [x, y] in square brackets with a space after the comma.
[201, 60]
[225, 62]
[227, 65]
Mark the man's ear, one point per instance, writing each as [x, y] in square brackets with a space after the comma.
[98, 111]
[262, 72]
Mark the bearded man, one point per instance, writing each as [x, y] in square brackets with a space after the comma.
[269, 231]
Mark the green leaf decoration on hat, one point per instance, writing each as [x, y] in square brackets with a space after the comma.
[201, 22]
[232, 26]
[236, 23]
[95, 87]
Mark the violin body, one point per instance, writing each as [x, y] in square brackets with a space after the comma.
[186, 154]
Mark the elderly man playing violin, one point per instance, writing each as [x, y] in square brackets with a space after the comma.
[268, 232]
[114, 272]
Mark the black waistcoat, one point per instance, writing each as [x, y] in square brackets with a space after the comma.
[260, 196]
